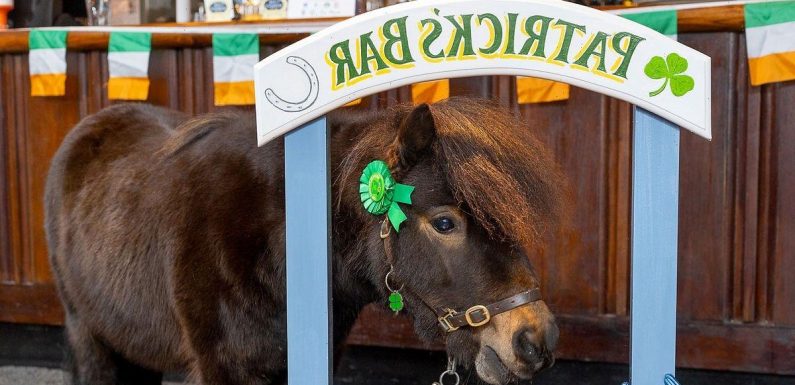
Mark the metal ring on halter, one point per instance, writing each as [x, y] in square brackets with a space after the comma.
[449, 372]
[386, 280]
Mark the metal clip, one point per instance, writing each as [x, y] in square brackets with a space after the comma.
[445, 321]
[449, 372]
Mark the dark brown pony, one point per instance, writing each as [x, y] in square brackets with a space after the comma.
[166, 236]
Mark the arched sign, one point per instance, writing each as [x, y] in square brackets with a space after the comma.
[435, 39]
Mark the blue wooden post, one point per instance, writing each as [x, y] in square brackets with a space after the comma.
[655, 211]
[307, 184]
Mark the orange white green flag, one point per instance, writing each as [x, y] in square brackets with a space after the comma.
[128, 65]
[664, 22]
[535, 90]
[770, 40]
[234, 57]
[47, 62]
[430, 92]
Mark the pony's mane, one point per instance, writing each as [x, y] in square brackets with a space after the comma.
[502, 175]
[497, 170]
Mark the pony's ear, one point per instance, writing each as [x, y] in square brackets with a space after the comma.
[415, 136]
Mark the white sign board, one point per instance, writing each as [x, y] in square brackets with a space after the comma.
[435, 39]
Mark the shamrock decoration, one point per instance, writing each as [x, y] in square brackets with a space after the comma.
[396, 301]
[672, 69]
[380, 193]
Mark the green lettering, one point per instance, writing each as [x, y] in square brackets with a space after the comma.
[462, 33]
[436, 31]
[497, 38]
[509, 49]
[537, 39]
[566, 36]
[367, 53]
[340, 56]
[626, 55]
[401, 40]
[597, 47]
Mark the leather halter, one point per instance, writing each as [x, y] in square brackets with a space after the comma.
[478, 315]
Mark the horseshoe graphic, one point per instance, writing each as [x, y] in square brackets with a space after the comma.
[314, 87]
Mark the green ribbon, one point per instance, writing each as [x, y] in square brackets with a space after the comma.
[380, 193]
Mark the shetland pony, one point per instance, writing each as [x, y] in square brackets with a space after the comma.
[167, 239]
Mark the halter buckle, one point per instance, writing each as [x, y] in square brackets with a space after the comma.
[445, 321]
[484, 313]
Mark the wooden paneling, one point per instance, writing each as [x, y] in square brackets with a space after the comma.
[737, 231]
[780, 220]
[706, 182]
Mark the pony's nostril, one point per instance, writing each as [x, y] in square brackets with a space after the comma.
[526, 347]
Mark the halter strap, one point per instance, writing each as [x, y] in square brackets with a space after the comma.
[478, 315]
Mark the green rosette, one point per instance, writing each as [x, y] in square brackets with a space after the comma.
[380, 193]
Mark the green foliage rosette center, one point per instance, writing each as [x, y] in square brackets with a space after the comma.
[380, 193]
[376, 187]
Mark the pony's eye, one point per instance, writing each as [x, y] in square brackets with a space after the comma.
[443, 224]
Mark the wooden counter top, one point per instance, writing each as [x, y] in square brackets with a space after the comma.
[174, 35]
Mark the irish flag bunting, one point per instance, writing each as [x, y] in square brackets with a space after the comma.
[47, 62]
[770, 38]
[664, 22]
[535, 90]
[430, 92]
[128, 65]
[234, 57]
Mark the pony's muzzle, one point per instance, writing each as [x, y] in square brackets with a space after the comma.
[535, 349]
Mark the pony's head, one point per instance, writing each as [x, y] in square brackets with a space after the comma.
[484, 192]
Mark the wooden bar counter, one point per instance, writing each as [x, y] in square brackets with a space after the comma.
[737, 203]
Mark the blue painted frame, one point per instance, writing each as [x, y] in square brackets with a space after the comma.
[655, 216]
[655, 194]
[308, 207]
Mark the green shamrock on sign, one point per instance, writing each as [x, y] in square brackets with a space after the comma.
[672, 69]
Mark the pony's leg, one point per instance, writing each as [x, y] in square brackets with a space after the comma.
[249, 352]
[128, 373]
[91, 361]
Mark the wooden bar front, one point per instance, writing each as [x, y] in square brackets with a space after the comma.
[737, 212]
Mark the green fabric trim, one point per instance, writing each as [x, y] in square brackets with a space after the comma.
[663, 22]
[763, 14]
[396, 216]
[235, 44]
[130, 42]
[403, 193]
[39, 39]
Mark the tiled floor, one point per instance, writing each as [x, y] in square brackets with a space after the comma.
[30, 355]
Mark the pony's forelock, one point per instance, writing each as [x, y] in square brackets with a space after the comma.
[497, 169]
[498, 172]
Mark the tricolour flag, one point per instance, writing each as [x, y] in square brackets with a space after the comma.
[47, 62]
[535, 90]
[664, 22]
[128, 65]
[430, 92]
[770, 38]
[234, 57]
